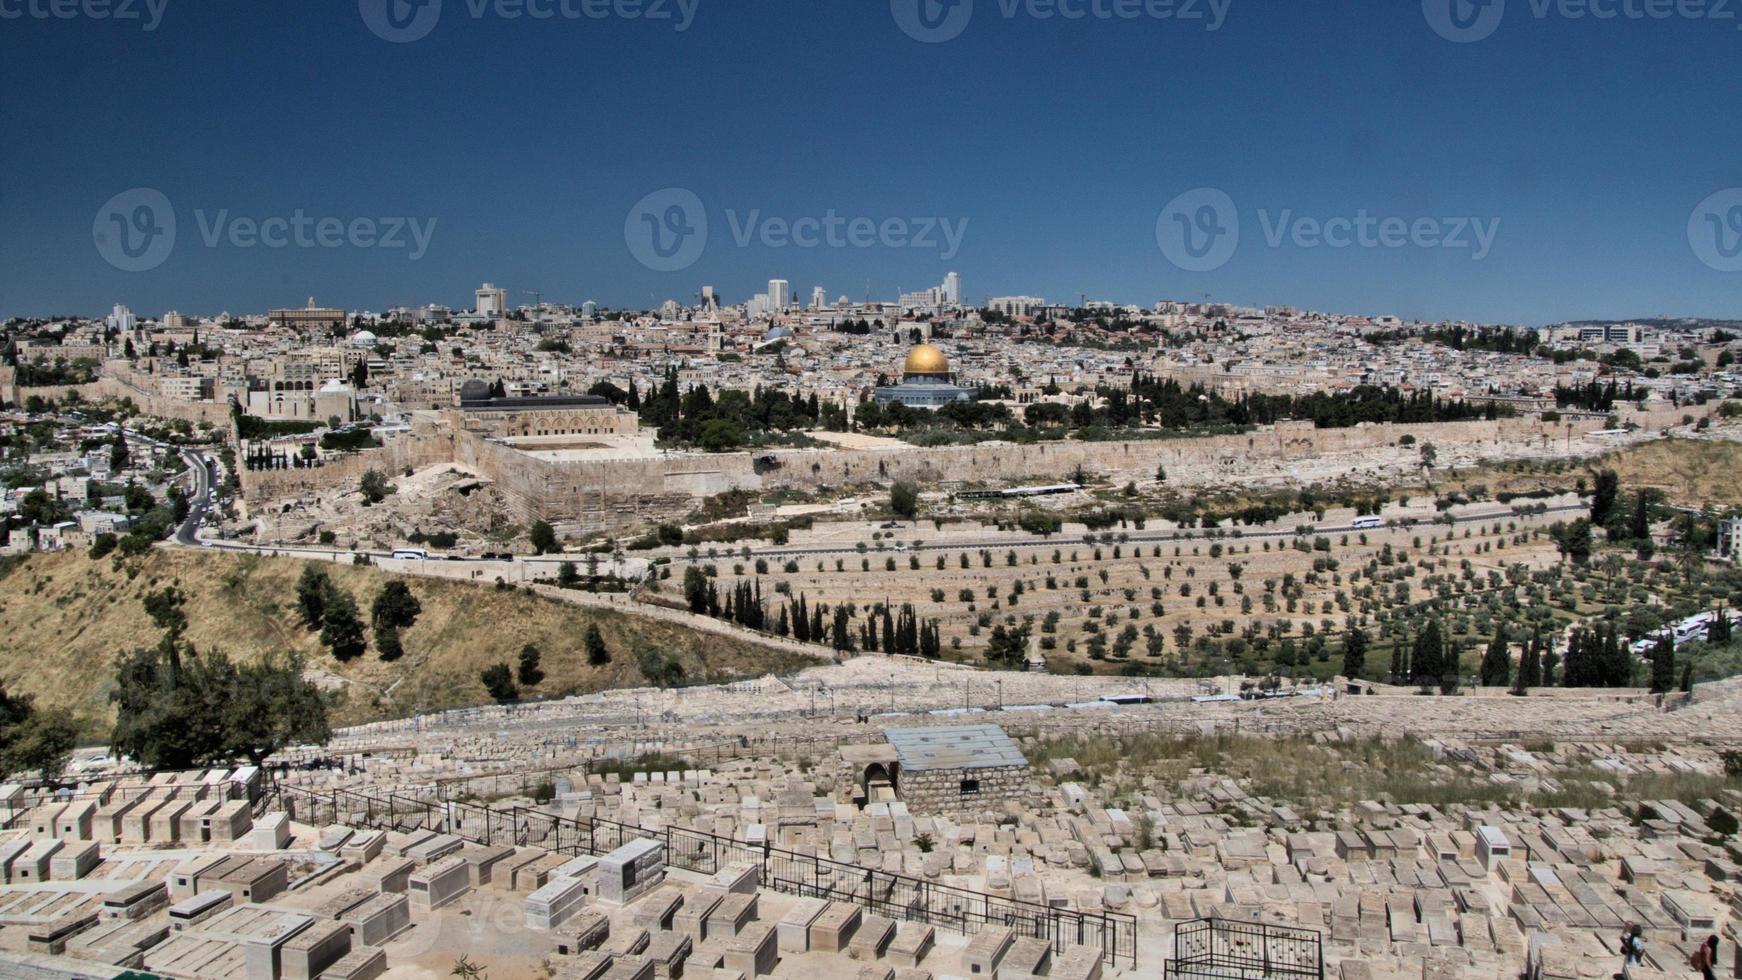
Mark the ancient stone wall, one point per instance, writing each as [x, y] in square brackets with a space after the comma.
[611, 496]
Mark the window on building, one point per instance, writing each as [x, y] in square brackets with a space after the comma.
[970, 786]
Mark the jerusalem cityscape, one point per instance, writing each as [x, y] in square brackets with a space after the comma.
[560, 490]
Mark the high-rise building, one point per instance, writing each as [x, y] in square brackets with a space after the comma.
[590, 310]
[819, 298]
[953, 290]
[121, 320]
[779, 295]
[709, 300]
[1016, 305]
[492, 300]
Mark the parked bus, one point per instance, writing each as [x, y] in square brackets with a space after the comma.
[1365, 523]
[411, 554]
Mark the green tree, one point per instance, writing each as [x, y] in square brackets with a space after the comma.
[374, 487]
[119, 457]
[904, 500]
[1529, 666]
[544, 540]
[1641, 528]
[270, 706]
[598, 654]
[34, 740]
[499, 681]
[1496, 668]
[529, 673]
[1008, 648]
[1663, 665]
[164, 606]
[177, 708]
[1603, 497]
[1719, 629]
[696, 589]
[311, 595]
[1573, 540]
[395, 606]
[1354, 653]
[387, 642]
[1427, 658]
[341, 627]
[721, 435]
[102, 544]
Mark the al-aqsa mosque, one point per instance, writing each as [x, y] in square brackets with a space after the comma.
[927, 382]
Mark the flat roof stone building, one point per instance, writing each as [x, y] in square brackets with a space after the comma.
[942, 769]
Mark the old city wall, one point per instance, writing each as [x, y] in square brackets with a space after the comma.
[416, 450]
[616, 495]
[1136, 460]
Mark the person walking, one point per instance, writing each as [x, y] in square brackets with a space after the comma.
[1632, 946]
[1705, 958]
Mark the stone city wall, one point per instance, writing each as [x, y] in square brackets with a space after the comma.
[617, 495]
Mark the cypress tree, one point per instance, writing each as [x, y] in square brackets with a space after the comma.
[1497, 661]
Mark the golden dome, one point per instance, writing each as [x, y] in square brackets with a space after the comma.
[926, 359]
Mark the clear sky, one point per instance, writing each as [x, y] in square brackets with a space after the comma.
[1052, 147]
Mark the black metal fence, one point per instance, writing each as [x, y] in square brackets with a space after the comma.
[894, 895]
[1228, 949]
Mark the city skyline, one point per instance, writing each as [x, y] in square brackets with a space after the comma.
[1549, 188]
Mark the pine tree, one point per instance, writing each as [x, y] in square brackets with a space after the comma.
[598, 654]
[1530, 666]
[1663, 665]
[1427, 658]
[1354, 653]
[530, 673]
[1497, 661]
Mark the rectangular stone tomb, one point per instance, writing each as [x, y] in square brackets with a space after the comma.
[583, 931]
[658, 910]
[631, 871]
[872, 938]
[795, 925]
[913, 940]
[439, 884]
[755, 951]
[379, 919]
[199, 908]
[986, 950]
[361, 963]
[692, 919]
[734, 912]
[136, 901]
[554, 904]
[310, 952]
[833, 930]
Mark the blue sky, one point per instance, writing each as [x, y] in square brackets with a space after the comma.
[1591, 142]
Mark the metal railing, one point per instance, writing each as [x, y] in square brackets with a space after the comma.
[1229, 949]
[897, 896]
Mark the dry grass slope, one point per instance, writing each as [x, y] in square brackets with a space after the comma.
[65, 617]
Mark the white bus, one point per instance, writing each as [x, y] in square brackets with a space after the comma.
[411, 554]
[1364, 523]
